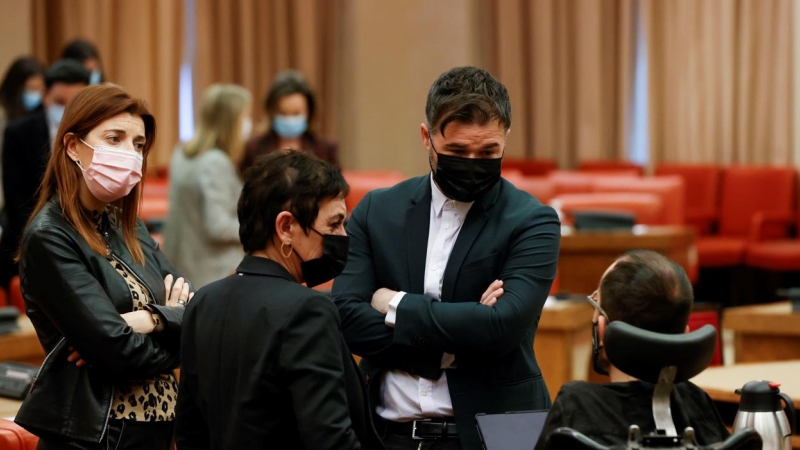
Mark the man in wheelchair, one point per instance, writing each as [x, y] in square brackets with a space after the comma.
[650, 292]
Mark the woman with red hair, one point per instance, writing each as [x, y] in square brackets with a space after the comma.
[97, 288]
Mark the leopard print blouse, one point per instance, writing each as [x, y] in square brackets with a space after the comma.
[150, 400]
[145, 400]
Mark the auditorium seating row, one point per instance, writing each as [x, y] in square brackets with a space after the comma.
[742, 214]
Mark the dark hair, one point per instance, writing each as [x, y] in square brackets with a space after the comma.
[468, 95]
[67, 71]
[80, 50]
[286, 83]
[649, 291]
[14, 83]
[284, 180]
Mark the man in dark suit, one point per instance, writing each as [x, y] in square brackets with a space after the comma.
[446, 278]
[26, 150]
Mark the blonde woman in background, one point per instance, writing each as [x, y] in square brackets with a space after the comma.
[201, 236]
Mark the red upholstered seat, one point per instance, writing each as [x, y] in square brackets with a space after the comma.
[567, 182]
[609, 166]
[720, 251]
[530, 167]
[669, 188]
[780, 255]
[14, 437]
[543, 188]
[749, 195]
[646, 207]
[772, 254]
[701, 193]
[362, 182]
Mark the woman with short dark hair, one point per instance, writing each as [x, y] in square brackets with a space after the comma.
[264, 363]
[290, 106]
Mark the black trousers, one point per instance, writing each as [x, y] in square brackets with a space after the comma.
[397, 442]
[121, 435]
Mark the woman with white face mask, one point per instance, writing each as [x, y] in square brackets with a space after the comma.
[290, 107]
[97, 289]
[201, 236]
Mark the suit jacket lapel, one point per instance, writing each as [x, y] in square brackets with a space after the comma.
[473, 224]
[418, 220]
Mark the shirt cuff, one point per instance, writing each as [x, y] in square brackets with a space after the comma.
[391, 314]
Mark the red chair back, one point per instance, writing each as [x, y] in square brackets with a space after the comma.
[543, 188]
[748, 190]
[669, 189]
[701, 196]
[362, 182]
[568, 182]
[609, 166]
[530, 167]
[645, 206]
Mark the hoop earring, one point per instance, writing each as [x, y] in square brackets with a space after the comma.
[290, 249]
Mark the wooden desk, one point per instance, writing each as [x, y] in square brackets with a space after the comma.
[721, 382]
[769, 332]
[563, 342]
[585, 255]
[9, 407]
[22, 345]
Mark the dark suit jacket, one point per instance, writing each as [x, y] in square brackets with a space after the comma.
[507, 235]
[26, 152]
[265, 366]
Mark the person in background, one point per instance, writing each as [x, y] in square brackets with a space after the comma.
[27, 144]
[20, 93]
[97, 289]
[651, 292]
[86, 53]
[201, 234]
[290, 106]
[264, 363]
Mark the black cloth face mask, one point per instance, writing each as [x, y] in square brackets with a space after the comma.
[464, 179]
[328, 266]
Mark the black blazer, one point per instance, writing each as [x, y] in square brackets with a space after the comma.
[265, 366]
[26, 151]
[507, 235]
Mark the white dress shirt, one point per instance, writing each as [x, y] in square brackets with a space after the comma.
[403, 396]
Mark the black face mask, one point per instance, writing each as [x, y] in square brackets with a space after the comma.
[465, 179]
[328, 266]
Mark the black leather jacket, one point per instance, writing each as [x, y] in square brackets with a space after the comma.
[74, 297]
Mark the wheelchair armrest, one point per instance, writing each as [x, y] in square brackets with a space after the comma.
[564, 437]
[745, 439]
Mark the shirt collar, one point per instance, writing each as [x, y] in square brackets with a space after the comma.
[438, 200]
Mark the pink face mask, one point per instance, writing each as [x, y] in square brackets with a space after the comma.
[112, 173]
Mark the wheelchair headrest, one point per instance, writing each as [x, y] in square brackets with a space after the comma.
[642, 354]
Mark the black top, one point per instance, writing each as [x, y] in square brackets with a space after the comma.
[265, 366]
[507, 235]
[26, 152]
[604, 412]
